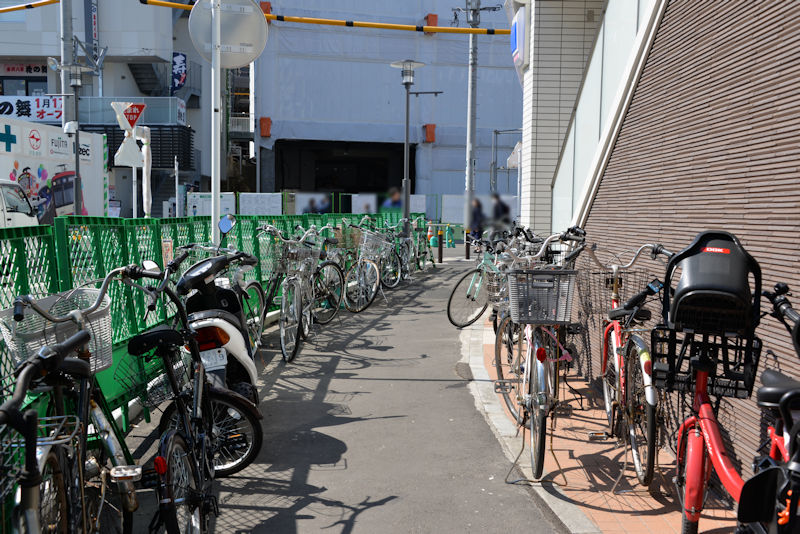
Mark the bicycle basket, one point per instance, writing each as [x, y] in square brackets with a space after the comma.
[373, 245]
[497, 289]
[596, 288]
[25, 338]
[148, 380]
[732, 362]
[713, 294]
[541, 296]
[298, 255]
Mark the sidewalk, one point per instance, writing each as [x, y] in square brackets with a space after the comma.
[580, 473]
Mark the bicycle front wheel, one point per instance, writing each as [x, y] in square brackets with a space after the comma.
[468, 300]
[610, 387]
[391, 270]
[328, 290]
[254, 311]
[53, 509]
[289, 327]
[641, 417]
[361, 285]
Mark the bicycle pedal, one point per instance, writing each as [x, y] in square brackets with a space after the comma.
[126, 473]
[598, 436]
[562, 409]
[502, 386]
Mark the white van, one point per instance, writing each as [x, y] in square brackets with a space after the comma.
[15, 207]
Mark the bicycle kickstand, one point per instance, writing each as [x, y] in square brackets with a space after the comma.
[622, 472]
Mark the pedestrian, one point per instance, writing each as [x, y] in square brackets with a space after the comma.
[312, 206]
[325, 205]
[478, 219]
[501, 213]
[394, 199]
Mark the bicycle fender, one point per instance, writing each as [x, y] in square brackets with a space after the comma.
[695, 475]
[236, 398]
[646, 363]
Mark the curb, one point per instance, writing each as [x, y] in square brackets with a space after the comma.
[551, 500]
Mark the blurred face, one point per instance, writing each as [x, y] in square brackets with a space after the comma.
[474, 203]
[396, 196]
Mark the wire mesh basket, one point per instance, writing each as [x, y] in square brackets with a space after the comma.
[50, 431]
[148, 379]
[596, 288]
[541, 296]
[373, 245]
[299, 255]
[349, 237]
[497, 289]
[26, 337]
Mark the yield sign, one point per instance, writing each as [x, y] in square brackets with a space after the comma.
[133, 112]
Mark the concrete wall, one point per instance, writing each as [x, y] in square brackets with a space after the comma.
[334, 83]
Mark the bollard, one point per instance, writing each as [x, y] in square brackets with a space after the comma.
[466, 242]
[441, 245]
[448, 236]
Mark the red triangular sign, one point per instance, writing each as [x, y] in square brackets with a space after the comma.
[133, 112]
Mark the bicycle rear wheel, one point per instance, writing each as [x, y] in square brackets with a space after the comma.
[507, 361]
[289, 326]
[468, 300]
[184, 514]
[641, 418]
[328, 291]
[540, 391]
[361, 285]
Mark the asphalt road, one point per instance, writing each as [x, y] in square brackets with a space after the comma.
[373, 429]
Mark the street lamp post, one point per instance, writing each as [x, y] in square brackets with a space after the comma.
[407, 70]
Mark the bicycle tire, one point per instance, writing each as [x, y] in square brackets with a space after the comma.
[610, 388]
[224, 408]
[687, 526]
[537, 419]
[391, 270]
[289, 322]
[361, 285]
[181, 482]
[641, 419]
[53, 501]
[406, 259]
[254, 309]
[331, 286]
[306, 317]
[506, 361]
[474, 305]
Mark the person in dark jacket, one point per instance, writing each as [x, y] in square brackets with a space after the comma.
[501, 213]
[478, 220]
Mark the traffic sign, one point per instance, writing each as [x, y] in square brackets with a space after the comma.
[133, 112]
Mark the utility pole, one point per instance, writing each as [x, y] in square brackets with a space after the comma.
[473, 19]
[67, 50]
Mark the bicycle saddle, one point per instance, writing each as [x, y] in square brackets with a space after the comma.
[331, 241]
[160, 337]
[775, 386]
[641, 315]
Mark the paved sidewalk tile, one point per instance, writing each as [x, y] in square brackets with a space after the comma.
[585, 471]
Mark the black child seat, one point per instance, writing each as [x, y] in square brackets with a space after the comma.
[713, 294]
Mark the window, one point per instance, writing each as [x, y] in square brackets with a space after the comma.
[23, 86]
[16, 201]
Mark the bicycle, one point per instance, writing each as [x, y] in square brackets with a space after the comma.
[43, 478]
[196, 444]
[706, 345]
[87, 462]
[364, 277]
[630, 399]
[770, 498]
[469, 299]
[310, 292]
[533, 336]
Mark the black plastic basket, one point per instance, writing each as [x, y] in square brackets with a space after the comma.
[732, 362]
[541, 296]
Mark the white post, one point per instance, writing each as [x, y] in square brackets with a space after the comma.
[469, 185]
[216, 118]
[177, 196]
[135, 193]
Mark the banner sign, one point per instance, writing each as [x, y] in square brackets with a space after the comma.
[23, 69]
[32, 108]
[179, 69]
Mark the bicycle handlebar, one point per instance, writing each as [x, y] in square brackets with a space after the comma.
[782, 309]
[655, 249]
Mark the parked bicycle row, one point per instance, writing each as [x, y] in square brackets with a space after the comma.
[701, 343]
[66, 466]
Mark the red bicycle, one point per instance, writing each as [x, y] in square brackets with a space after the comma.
[706, 347]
